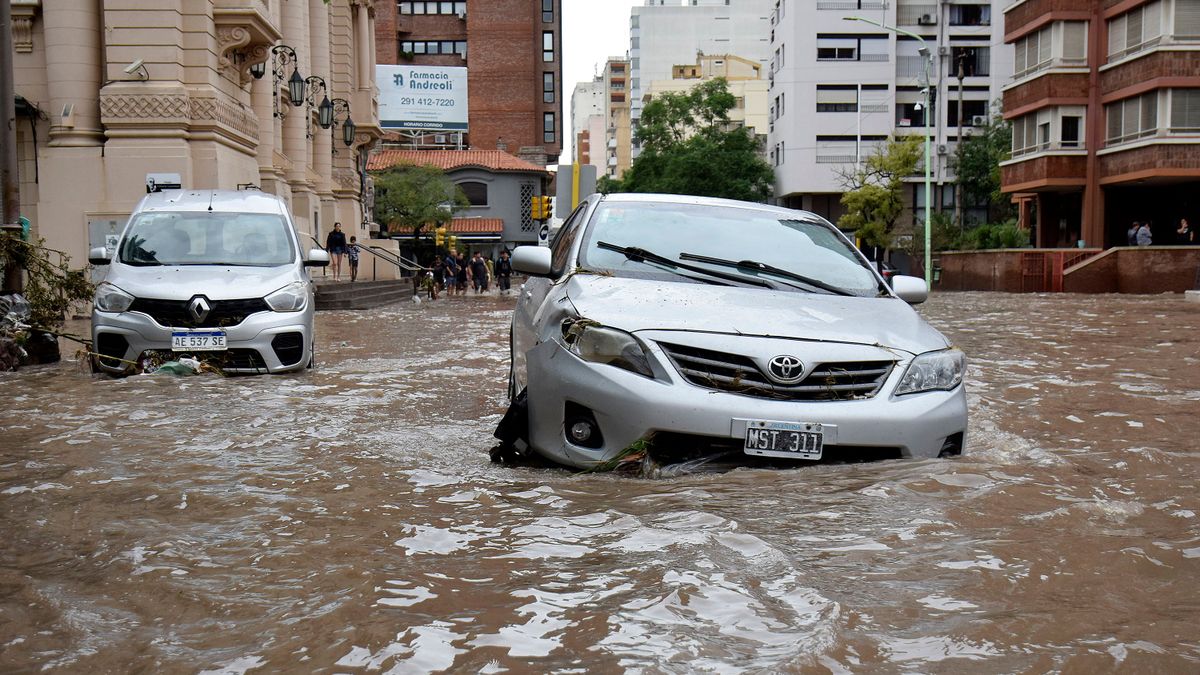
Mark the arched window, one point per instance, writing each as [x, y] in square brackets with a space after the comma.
[476, 192]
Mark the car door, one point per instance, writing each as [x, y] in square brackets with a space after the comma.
[539, 292]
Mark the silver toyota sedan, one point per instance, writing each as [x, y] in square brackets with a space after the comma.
[701, 325]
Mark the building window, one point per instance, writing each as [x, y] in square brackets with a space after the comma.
[1185, 111]
[476, 192]
[975, 61]
[548, 127]
[910, 114]
[548, 87]
[547, 11]
[1132, 118]
[548, 46]
[1134, 31]
[972, 112]
[1071, 124]
[1032, 53]
[834, 47]
[458, 7]
[970, 15]
[439, 47]
[1187, 19]
[837, 98]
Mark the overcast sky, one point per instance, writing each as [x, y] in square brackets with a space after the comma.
[593, 30]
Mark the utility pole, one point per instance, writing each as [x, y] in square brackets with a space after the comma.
[8, 147]
[958, 191]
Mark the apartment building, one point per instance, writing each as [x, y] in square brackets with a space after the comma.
[194, 91]
[587, 123]
[512, 50]
[618, 127]
[747, 82]
[666, 33]
[1105, 108]
[839, 88]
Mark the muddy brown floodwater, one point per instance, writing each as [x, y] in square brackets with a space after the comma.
[347, 519]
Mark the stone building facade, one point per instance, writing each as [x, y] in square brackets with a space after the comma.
[112, 90]
[512, 50]
[1105, 108]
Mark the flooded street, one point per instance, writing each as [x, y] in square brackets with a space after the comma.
[347, 519]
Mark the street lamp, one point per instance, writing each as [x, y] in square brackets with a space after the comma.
[339, 108]
[923, 50]
[313, 82]
[284, 55]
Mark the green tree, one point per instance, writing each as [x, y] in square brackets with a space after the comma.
[977, 165]
[690, 146]
[412, 197]
[874, 190]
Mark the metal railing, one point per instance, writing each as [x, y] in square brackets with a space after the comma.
[378, 253]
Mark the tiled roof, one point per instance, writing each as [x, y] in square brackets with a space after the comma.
[447, 160]
[476, 226]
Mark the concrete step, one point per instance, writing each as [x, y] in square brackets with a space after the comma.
[361, 295]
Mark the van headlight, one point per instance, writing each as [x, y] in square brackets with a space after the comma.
[290, 298]
[934, 371]
[109, 298]
[601, 344]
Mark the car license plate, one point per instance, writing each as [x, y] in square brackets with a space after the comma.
[198, 341]
[796, 440]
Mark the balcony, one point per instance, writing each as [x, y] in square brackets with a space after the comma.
[1044, 172]
[1150, 66]
[244, 37]
[1061, 87]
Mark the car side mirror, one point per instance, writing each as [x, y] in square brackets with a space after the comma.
[99, 256]
[316, 258]
[910, 289]
[532, 260]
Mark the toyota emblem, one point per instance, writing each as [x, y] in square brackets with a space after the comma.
[199, 308]
[785, 369]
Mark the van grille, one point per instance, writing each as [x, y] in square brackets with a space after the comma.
[739, 374]
[174, 313]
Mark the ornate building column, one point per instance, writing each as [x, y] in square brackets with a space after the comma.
[296, 122]
[72, 34]
[322, 141]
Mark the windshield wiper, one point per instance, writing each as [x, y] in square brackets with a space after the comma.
[642, 255]
[769, 269]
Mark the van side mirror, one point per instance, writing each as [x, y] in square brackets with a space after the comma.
[910, 289]
[99, 256]
[316, 258]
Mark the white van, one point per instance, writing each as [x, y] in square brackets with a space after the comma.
[215, 274]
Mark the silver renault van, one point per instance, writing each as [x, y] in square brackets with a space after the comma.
[215, 274]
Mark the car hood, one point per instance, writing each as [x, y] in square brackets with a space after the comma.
[215, 282]
[639, 304]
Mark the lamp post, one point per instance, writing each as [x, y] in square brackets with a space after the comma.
[339, 109]
[283, 56]
[312, 82]
[923, 50]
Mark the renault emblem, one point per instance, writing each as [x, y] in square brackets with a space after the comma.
[785, 369]
[199, 308]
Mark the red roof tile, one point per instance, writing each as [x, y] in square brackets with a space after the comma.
[447, 160]
[476, 226]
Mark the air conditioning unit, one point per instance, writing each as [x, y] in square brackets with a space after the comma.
[440, 139]
[927, 20]
[943, 50]
[942, 149]
[978, 120]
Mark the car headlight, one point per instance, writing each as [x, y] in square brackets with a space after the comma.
[290, 298]
[932, 371]
[109, 298]
[600, 344]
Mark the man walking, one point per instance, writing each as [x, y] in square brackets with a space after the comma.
[504, 273]
[479, 273]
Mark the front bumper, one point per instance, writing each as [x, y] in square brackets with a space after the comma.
[262, 342]
[628, 407]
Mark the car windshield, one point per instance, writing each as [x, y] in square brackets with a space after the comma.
[773, 247]
[207, 238]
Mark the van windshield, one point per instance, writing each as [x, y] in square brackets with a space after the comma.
[208, 238]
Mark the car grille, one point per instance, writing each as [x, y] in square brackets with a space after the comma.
[243, 359]
[114, 346]
[223, 313]
[738, 374]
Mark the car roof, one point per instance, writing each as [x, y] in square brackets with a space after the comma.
[708, 201]
[240, 201]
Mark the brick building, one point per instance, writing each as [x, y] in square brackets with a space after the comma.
[513, 53]
[1105, 108]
